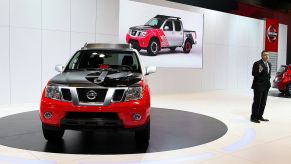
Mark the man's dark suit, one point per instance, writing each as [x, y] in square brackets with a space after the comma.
[261, 85]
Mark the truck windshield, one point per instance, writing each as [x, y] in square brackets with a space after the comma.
[282, 69]
[104, 59]
[155, 22]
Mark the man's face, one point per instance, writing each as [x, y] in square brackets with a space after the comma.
[265, 56]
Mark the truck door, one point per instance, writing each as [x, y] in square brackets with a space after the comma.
[178, 35]
[169, 32]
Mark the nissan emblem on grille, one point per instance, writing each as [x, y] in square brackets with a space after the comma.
[91, 95]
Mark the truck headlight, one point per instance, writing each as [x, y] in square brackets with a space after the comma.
[133, 93]
[143, 33]
[53, 92]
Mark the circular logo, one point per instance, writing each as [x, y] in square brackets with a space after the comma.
[272, 34]
[91, 95]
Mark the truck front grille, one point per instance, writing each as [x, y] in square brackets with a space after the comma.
[118, 95]
[133, 32]
[66, 93]
[88, 95]
[92, 115]
[91, 120]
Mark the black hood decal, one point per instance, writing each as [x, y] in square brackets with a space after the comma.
[143, 27]
[104, 78]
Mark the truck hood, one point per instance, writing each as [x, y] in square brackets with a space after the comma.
[104, 78]
[142, 27]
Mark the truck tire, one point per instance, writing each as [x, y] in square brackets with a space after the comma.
[282, 91]
[52, 135]
[288, 90]
[187, 46]
[154, 47]
[134, 46]
[143, 135]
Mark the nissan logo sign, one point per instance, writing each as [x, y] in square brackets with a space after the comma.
[91, 95]
[272, 34]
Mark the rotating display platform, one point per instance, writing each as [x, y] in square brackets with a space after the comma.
[170, 130]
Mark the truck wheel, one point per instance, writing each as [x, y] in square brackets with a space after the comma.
[288, 90]
[143, 135]
[282, 91]
[134, 46]
[173, 48]
[153, 47]
[187, 46]
[52, 135]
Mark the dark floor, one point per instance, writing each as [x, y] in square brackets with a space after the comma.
[170, 130]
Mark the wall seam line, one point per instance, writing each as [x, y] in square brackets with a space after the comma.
[9, 54]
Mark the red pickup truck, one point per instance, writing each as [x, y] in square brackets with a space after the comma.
[282, 80]
[161, 32]
[102, 87]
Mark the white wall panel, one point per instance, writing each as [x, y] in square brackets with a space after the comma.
[56, 14]
[282, 49]
[83, 15]
[234, 31]
[219, 68]
[106, 22]
[25, 13]
[232, 68]
[222, 28]
[25, 59]
[244, 71]
[255, 32]
[55, 50]
[210, 21]
[208, 62]
[4, 12]
[78, 40]
[4, 66]
[101, 38]
[243, 28]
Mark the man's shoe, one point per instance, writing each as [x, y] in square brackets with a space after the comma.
[263, 119]
[255, 120]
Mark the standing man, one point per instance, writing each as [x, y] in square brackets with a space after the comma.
[261, 85]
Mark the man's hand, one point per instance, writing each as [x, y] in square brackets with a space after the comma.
[260, 68]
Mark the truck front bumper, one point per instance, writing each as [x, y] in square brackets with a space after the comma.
[124, 111]
[141, 42]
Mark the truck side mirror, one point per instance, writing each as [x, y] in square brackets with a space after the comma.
[151, 69]
[59, 68]
[166, 28]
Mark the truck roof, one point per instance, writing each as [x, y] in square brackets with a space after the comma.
[166, 17]
[90, 46]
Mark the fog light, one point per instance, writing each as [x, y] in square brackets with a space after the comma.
[137, 116]
[48, 115]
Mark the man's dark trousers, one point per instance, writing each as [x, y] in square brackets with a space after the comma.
[258, 107]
